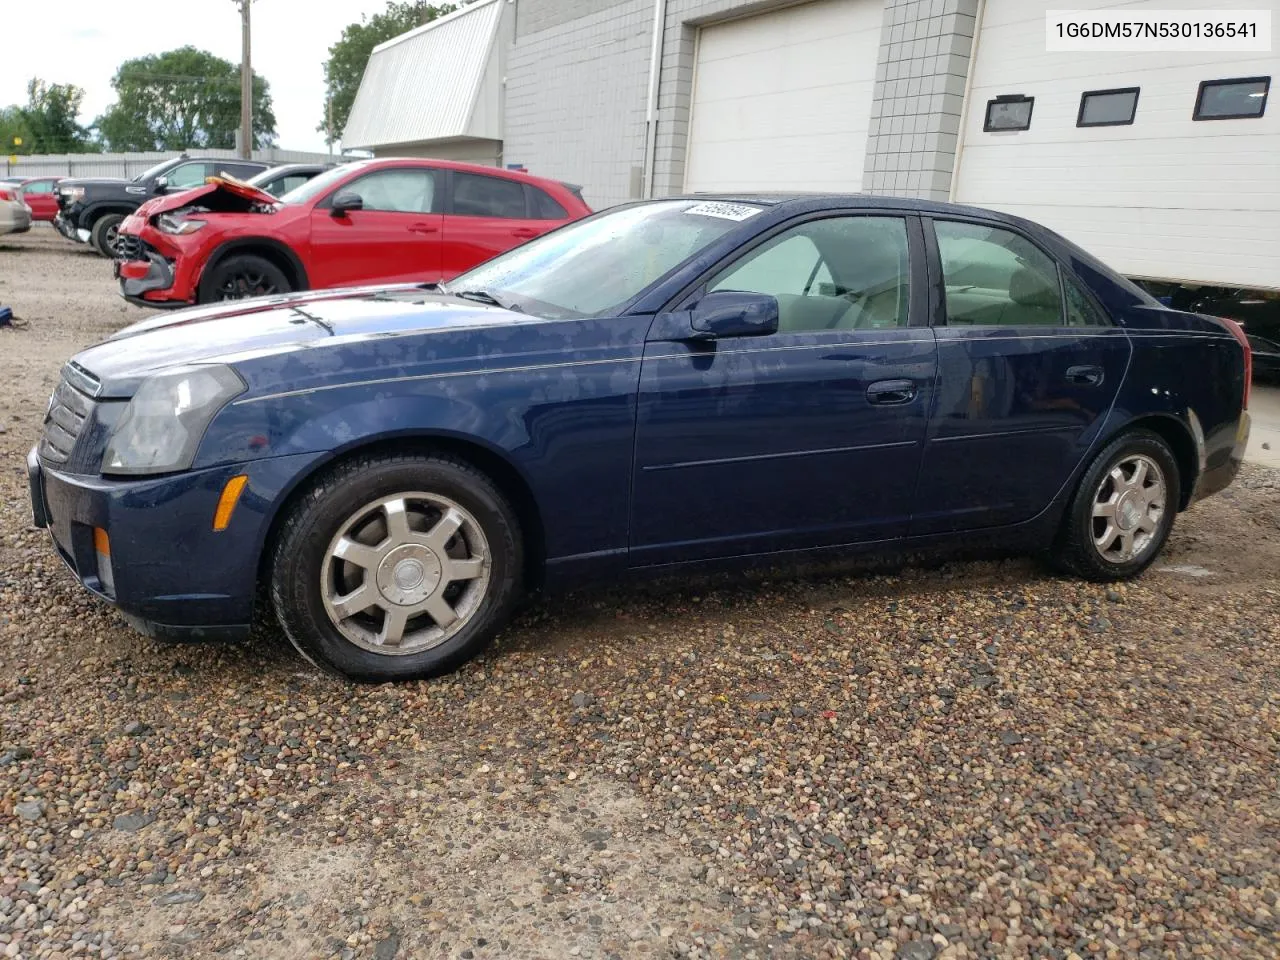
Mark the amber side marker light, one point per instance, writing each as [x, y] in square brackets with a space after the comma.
[227, 502]
[102, 547]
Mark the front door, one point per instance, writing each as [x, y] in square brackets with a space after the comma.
[1028, 365]
[393, 238]
[807, 437]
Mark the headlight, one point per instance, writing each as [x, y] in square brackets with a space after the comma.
[164, 422]
[72, 193]
[172, 225]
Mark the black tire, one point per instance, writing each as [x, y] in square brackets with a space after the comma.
[103, 233]
[299, 556]
[240, 276]
[1075, 551]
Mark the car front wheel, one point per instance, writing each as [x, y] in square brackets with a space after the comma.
[1122, 511]
[396, 566]
[105, 234]
[241, 276]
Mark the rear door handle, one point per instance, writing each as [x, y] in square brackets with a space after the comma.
[1085, 375]
[524, 233]
[889, 392]
[423, 228]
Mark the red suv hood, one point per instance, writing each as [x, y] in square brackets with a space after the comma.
[176, 201]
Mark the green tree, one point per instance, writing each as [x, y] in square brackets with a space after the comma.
[179, 99]
[50, 119]
[13, 124]
[348, 57]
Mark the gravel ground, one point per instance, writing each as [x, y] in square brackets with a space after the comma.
[970, 760]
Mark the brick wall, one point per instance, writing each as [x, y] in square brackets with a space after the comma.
[577, 89]
[576, 96]
[920, 83]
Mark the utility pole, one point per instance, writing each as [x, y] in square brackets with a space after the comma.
[329, 124]
[246, 84]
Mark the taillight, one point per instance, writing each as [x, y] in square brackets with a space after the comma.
[1237, 330]
[8, 195]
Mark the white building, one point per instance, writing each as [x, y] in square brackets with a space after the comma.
[1165, 165]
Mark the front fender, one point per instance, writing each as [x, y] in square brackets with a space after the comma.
[91, 212]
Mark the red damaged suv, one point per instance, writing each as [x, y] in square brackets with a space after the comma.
[385, 221]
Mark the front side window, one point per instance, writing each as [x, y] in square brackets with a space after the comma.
[996, 278]
[38, 186]
[1009, 113]
[187, 175]
[321, 183]
[1243, 99]
[395, 191]
[594, 266]
[1108, 108]
[475, 195]
[841, 273]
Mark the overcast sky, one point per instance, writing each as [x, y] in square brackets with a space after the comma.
[84, 41]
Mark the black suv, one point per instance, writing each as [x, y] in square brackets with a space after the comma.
[90, 211]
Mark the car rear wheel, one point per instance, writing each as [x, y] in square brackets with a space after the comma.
[396, 566]
[105, 234]
[1123, 510]
[241, 276]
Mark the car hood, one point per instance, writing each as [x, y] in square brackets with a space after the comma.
[93, 182]
[220, 194]
[273, 325]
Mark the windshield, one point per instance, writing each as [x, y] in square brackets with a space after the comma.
[155, 171]
[592, 267]
[318, 184]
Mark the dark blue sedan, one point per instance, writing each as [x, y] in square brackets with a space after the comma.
[680, 382]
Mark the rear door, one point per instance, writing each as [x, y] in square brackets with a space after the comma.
[395, 238]
[485, 217]
[805, 438]
[1028, 365]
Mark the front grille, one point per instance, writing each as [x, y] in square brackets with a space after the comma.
[129, 247]
[70, 408]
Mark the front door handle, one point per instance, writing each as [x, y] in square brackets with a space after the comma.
[1085, 375]
[524, 233]
[423, 228]
[889, 392]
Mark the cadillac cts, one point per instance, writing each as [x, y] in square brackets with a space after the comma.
[665, 384]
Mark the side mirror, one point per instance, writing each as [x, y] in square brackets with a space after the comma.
[345, 202]
[730, 313]
[161, 184]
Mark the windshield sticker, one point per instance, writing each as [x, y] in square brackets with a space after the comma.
[724, 211]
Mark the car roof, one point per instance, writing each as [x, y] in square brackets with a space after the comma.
[478, 168]
[817, 200]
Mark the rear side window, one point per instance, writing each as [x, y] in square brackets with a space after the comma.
[475, 195]
[38, 186]
[1081, 310]
[545, 207]
[996, 278]
[285, 184]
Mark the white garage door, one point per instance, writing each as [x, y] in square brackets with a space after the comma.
[782, 101]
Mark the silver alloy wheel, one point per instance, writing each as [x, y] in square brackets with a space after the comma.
[1128, 507]
[405, 573]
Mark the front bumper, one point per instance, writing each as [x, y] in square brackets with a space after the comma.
[68, 229]
[171, 574]
[140, 277]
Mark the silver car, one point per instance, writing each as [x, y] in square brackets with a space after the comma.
[15, 215]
